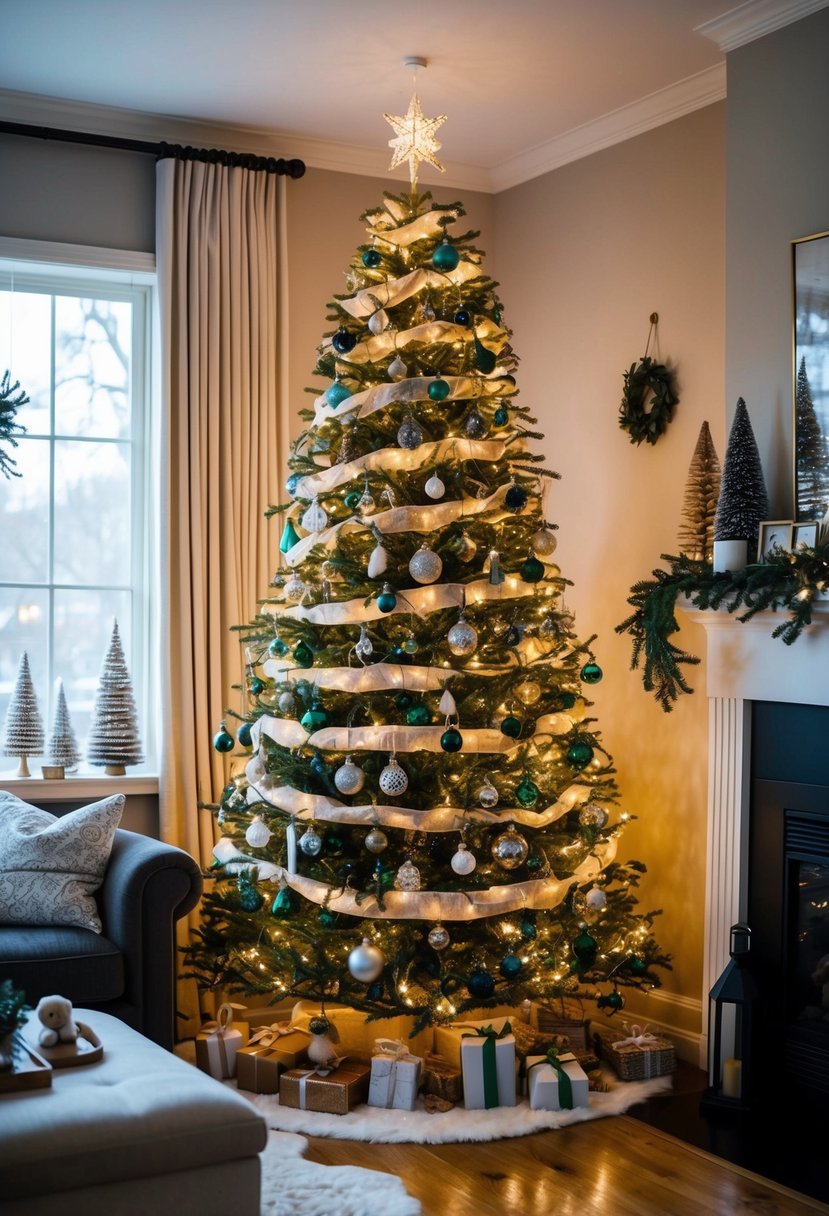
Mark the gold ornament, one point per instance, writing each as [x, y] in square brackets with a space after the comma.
[414, 138]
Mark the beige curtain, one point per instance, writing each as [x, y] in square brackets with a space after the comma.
[221, 271]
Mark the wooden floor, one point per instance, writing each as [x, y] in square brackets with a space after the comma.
[608, 1167]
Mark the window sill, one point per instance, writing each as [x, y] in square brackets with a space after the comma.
[76, 786]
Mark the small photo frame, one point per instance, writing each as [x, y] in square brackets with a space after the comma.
[805, 534]
[774, 534]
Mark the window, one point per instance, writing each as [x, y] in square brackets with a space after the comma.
[77, 524]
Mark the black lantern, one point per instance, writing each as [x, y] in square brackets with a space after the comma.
[730, 1028]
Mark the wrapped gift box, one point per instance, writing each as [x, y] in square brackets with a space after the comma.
[258, 1069]
[357, 1033]
[395, 1075]
[333, 1092]
[287, 1039]
[488, 1067]
[218, 1042]
[564, 1019]
[447, 1039]
[635, 1053]
[442, 1079]
[545, 1088]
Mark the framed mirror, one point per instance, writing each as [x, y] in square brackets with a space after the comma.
[811, 376]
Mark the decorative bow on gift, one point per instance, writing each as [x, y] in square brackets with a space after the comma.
[224, 1020]
[491, 1036]
[391, 1047]
[638, 1036]
[266, 1036]
[565, 1088]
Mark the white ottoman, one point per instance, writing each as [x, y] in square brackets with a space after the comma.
[141, 1133]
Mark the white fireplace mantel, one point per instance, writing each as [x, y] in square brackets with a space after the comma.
[744, 664]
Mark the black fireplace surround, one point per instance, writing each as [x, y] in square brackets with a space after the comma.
[788, 894]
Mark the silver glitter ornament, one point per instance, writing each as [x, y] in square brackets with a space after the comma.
[510, 849]
[593, 816]
[596, 899]
[258, 833]
[366, 962]
[294, 589]
[410, 433]
[376, 840]
[438, 938]
[434, 487]
[425, 566]
[398, 369]
[393, 779]
[462, 639]
[463, 862]
[286, 702]
[349, 777]
[408, 877]
[310, 841]
[488, 795]
[315, 518]
[544, 542]
[475, 425]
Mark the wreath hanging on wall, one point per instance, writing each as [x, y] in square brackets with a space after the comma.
[648, 396]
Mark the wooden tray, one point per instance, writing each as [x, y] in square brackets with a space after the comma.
[87, 1049]
[30, 1070]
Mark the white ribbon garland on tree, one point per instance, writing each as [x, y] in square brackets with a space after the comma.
[411, 391]
[364, 303]
[404, 460]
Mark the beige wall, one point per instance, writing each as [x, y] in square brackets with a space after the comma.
[584, 255]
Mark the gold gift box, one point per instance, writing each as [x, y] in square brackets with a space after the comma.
[334, 1093]
[442, 1079]
[258, 1069]
[357, 1034]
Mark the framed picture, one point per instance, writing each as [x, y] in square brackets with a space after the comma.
[810, 281]
[774, 534]
[804, 534]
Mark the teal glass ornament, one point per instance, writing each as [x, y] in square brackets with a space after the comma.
[511, 727]
[343, 341]
[223, 740]
[256, 686]
[371, 259]
[579, 753]
[528, 792]
[290, 537]
[636, 966]
[314, 718]
[410, 646]
[399, 655]
[327, 918]
[386, 600]
[438, 390]
[375, 991]
[481, 984]
[501, 416]
[249, 898]
[451, 740]
[336, 393]
[445, 257]
[532, 570]
[462, 317]
[277, 648]
[303, 655]
[510, 966]
[591, 673]
[352, 499]
[534, 862]
[585, 947]
[283, 904]
[485, 360]
[614, 1001]
[528, 929]
[419, 715]
[243, 735]
[292, 483]
[403, 700]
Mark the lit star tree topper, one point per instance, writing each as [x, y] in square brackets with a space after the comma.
[414, 138]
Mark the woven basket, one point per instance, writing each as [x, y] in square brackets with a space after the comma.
[637, 1063]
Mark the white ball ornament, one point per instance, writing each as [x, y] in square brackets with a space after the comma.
[376, 840]
[258, 833]
[488, 795]
[286, 703]
[393, 779]
[366, 962]
[434, 487]
[425, 566]
[596, 899]
[310, 841]
[349, 777]
[463, 862]
[544, 543]
[438, 937]
[294, 589]
[462, 639]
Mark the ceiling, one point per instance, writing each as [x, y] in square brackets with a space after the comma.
[526, 84]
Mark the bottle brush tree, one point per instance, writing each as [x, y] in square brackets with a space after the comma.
[743, 501]
[23, 734]
[702, 490]
[114, 740]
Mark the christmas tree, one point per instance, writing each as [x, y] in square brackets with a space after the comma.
[743, 502]
[425, 820]
[812, 453]
[63, 746]
[114, 739]
[702, 489]
[23, 732]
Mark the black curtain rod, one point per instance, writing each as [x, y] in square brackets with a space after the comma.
[242, 160]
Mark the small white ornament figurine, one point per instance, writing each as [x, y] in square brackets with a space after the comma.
[321, 1046]
[55, 1012]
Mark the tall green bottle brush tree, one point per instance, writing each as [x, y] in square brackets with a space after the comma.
[425, 819]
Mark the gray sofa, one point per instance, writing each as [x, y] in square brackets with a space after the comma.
[128, 970]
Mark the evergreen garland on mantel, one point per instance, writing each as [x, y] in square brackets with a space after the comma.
[789, 581]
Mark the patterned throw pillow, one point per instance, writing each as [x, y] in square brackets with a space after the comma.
[50, 866]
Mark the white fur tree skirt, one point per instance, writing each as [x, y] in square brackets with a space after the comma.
[380, 1126]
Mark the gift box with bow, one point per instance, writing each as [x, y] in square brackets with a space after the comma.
[488, 1067]
[218, 1042]
[556, 1081]
[271, 1050]
[636, 1054]
[333, 1090]
[395, 1075]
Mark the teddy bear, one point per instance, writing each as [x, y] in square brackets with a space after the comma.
[55, 1012]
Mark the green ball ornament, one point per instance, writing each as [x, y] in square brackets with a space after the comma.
[249, 898]
[528, 792]
[445, 257]
[585, 947]
[481, 984]
[386, 600]
[303, 655]
[403, 700]
[352, 499]
[532, 570]
[637, 966]
[614, 1001]
[579, 753]
[438, 390]
[283, 904]
[451, 740]
[223, 740]
[485, 360]
[277, 648]
[327, 918]
[371, 259]
[256, 686]
[419, 715]
[510, 966]
[314, 719]
[243, 735]
[511, 727]
[534, 862]
[591, 673]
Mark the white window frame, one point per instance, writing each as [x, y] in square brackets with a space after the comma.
[127, 275]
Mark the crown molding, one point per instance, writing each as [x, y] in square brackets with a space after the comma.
[665, 105]
[754, 19]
